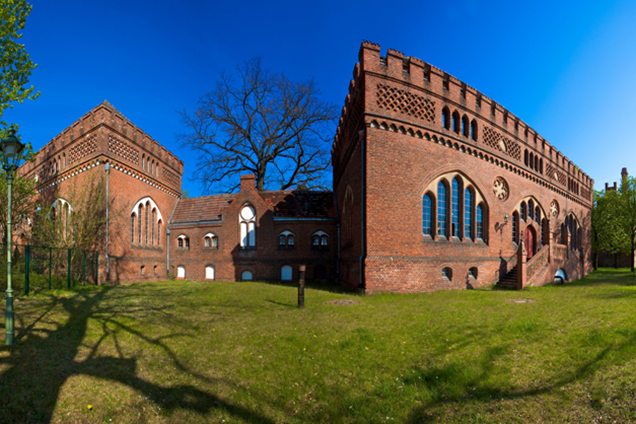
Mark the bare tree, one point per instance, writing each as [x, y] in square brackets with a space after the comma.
[261, 122]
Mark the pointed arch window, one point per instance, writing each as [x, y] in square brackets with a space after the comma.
[441, 209]
[473, 130]
[140, 214]
[479, 221]
[515, 227]
[132, 228]
[468, 219]
[154, 218]
[426, 215]
[523, 211]
[455, 207]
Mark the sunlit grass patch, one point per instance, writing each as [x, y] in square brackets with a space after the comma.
[185, 351]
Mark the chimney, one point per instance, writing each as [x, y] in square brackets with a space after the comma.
[248, 182]
[606, 186]
[624, 173]
[614, 185]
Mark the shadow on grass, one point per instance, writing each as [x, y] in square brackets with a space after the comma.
[466, 383]
[41, 362]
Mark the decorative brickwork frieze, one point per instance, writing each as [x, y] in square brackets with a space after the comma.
[402, 101]
[497, 141]
[83, 148]
[122, 149]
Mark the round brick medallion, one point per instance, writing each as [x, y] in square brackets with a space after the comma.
[554, 208]
[500, 188]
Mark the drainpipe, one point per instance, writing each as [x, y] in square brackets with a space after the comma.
[363, 247]
[107, 168]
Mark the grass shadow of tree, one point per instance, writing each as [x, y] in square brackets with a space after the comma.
[45, 358]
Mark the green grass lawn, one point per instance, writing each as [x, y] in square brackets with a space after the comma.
[186, 352]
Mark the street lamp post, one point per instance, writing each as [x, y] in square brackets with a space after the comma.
[12, 150]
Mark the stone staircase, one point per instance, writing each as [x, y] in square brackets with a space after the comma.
[509, 282]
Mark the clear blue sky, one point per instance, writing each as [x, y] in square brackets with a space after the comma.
[568, 69]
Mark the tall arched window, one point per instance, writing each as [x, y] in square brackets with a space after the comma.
[159, 233]
[455, 208]
[468, 207]
[146, 227]
[523, 210]
[479, 220]
[132, 228]
[140, 214]
[465, 126]
[473, 130]
[456, 123]
[515, 227]
[154, 218]
[426, 214]
[530, 210]
[537, 214]
[446, 118]
[247, 220]
[441, 209]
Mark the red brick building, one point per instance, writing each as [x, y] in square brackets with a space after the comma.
[440, 187]
[435, 187]
[155, 233]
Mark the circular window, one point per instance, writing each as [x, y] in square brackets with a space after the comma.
[247, 213]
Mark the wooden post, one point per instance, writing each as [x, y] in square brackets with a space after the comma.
[301, 286]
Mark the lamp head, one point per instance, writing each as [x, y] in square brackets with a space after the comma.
[506, 218]
[12, 149]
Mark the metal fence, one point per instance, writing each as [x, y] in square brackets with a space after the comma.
[36, 268]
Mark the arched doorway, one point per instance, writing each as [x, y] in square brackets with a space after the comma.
[530, 241]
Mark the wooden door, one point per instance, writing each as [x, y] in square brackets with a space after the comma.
[529, 242]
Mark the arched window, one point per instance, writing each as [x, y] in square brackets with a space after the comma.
[132, 228]
[447, 274]
[159, 233]
[209, 272]
[246, 276]
[455, 208]
[530, 210]
[286, 240]
[479, 220]
[531, 160]
[146, 228]
[525, 157]
[426, 214]
[456, 123]
[465, 126]
[446, 118]
[536, 163]
[154, 218]
[441, 209]
[140, 215]
[286, 273]
[210, 241]
[523, 210]
[143, 162]
[473, 130]
[515, 227]
[319, 240]
[537, 214]
[183, 241]
[468, 208]
[247, 220]
[473, 273]
[181, 272]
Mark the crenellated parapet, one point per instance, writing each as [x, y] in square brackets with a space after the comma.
[101, 135]
[407, 91]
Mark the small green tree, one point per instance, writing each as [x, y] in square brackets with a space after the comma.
[606, 233]
[624, 207]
